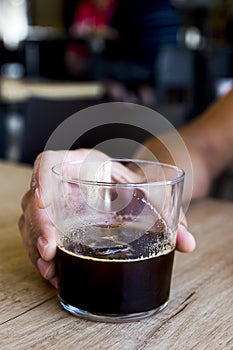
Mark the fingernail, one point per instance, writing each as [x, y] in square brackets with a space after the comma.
[192, 238]
[184, 230]
[192, 241]
[43, 267]
[41, 245]
[186, 239]
[37, 193]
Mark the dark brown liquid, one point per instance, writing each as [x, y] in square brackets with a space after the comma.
[114, 286]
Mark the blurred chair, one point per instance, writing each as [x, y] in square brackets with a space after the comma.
[174, 75]
[43, 116]
[2, 132]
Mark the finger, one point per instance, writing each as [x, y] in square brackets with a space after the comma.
[47, 269]
[185, 240]
[46, 243]
[126, 174]
[28, 242]
[34, 225]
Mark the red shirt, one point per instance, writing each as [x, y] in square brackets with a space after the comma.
[87, 13]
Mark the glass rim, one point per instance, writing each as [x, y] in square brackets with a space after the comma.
[177, 179]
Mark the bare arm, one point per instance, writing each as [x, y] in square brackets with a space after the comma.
[209, 140]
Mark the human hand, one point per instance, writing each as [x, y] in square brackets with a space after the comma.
[38, 232]
[185, 242]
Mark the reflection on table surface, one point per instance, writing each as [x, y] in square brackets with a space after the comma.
[199, 315]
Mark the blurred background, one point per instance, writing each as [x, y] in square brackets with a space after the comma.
[59, 56]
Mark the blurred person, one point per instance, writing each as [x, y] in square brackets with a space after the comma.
[89, 30]
[144, 26]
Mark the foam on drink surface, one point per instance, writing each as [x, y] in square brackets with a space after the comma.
[126, 240]
[116, 243]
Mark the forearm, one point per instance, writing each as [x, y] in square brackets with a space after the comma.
[196, 172]
[209, 141]
[212, 135]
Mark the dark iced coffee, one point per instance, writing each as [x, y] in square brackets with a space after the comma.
[104, 276]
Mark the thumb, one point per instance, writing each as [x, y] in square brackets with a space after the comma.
[185, 241]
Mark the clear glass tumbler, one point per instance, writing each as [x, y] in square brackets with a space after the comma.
[116, 226]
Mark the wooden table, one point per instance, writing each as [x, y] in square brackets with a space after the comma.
[199, 315]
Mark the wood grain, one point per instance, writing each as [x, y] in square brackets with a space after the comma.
[199, 314]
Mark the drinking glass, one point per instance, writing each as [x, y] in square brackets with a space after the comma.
[116, 223]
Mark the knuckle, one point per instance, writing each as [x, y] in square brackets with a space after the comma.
[43, 155]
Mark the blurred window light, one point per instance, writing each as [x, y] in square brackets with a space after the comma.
[193, 38]
[223, 86]
[12, 70]
[13, 22]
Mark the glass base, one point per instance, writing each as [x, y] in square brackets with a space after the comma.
[109, 317]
